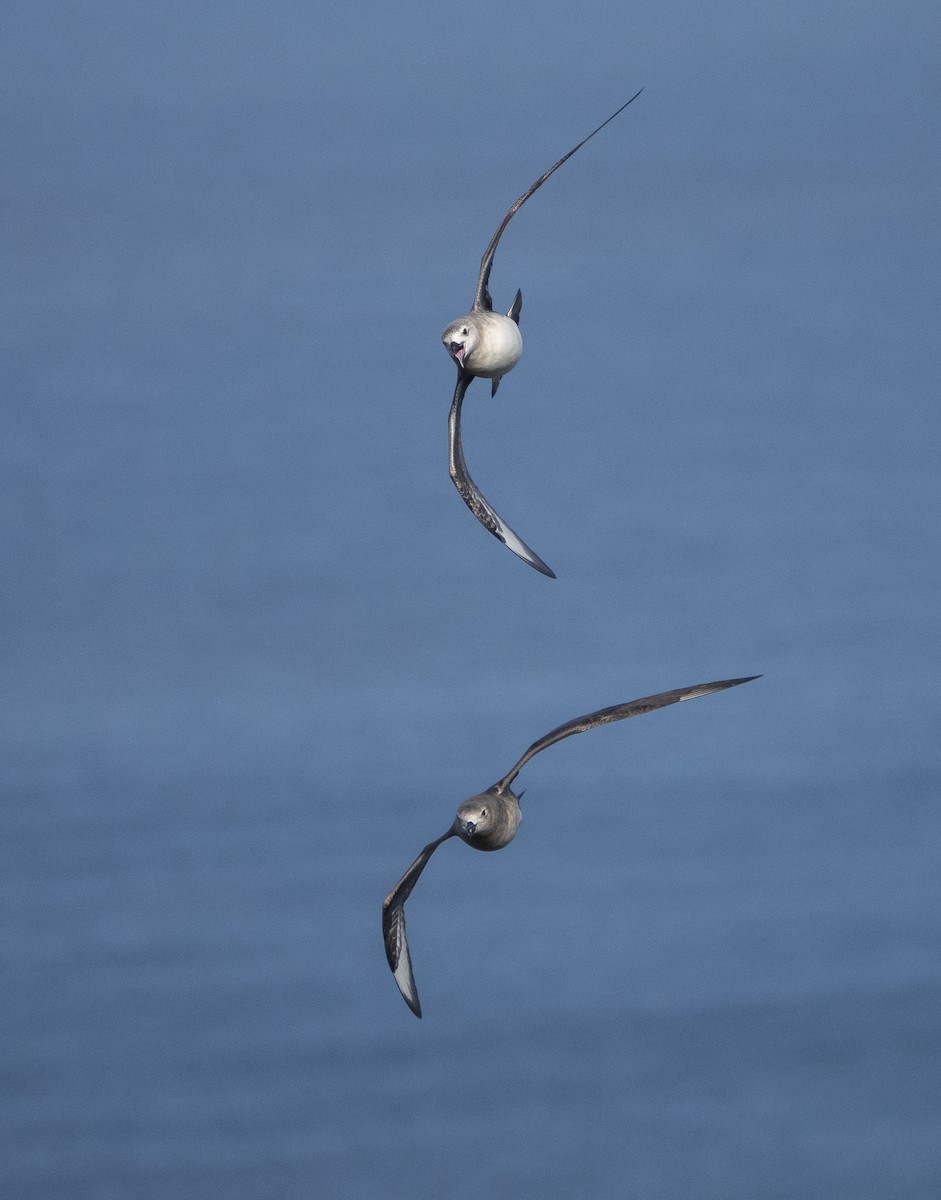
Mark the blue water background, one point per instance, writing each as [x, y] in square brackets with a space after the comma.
[254, 650]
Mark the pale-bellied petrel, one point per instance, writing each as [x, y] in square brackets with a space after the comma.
[488, 344]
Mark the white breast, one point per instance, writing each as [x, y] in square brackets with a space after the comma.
[499, 346]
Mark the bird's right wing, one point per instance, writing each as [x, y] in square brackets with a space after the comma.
[393, 926]
[471, 494]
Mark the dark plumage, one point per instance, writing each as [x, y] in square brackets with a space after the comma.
[489, 821]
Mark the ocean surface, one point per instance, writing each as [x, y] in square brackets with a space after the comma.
[254, 651]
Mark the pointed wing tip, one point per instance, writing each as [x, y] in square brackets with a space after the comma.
[405, 981]
[397, 955]
[530, 557]
[406, 984]
[720, 685]
[503, 533]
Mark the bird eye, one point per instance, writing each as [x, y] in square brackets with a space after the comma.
[464, 331]
[483, 812]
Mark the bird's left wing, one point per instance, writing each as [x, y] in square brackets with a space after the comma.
[482, 298]
[619, 712]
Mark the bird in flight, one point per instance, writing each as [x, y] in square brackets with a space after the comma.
[488, 344]
[489, 821]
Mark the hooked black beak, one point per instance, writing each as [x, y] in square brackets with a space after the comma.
[456, 350]
[470, 828]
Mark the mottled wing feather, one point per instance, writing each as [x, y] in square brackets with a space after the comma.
[619, 712]
[471, 494]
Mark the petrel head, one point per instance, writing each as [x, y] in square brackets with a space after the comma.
[459, 340]
[488, 821]
[473, 819]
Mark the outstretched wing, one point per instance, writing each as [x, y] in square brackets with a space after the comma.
[482, 295]
[471, 494]
[393, 926]
[620, 712]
